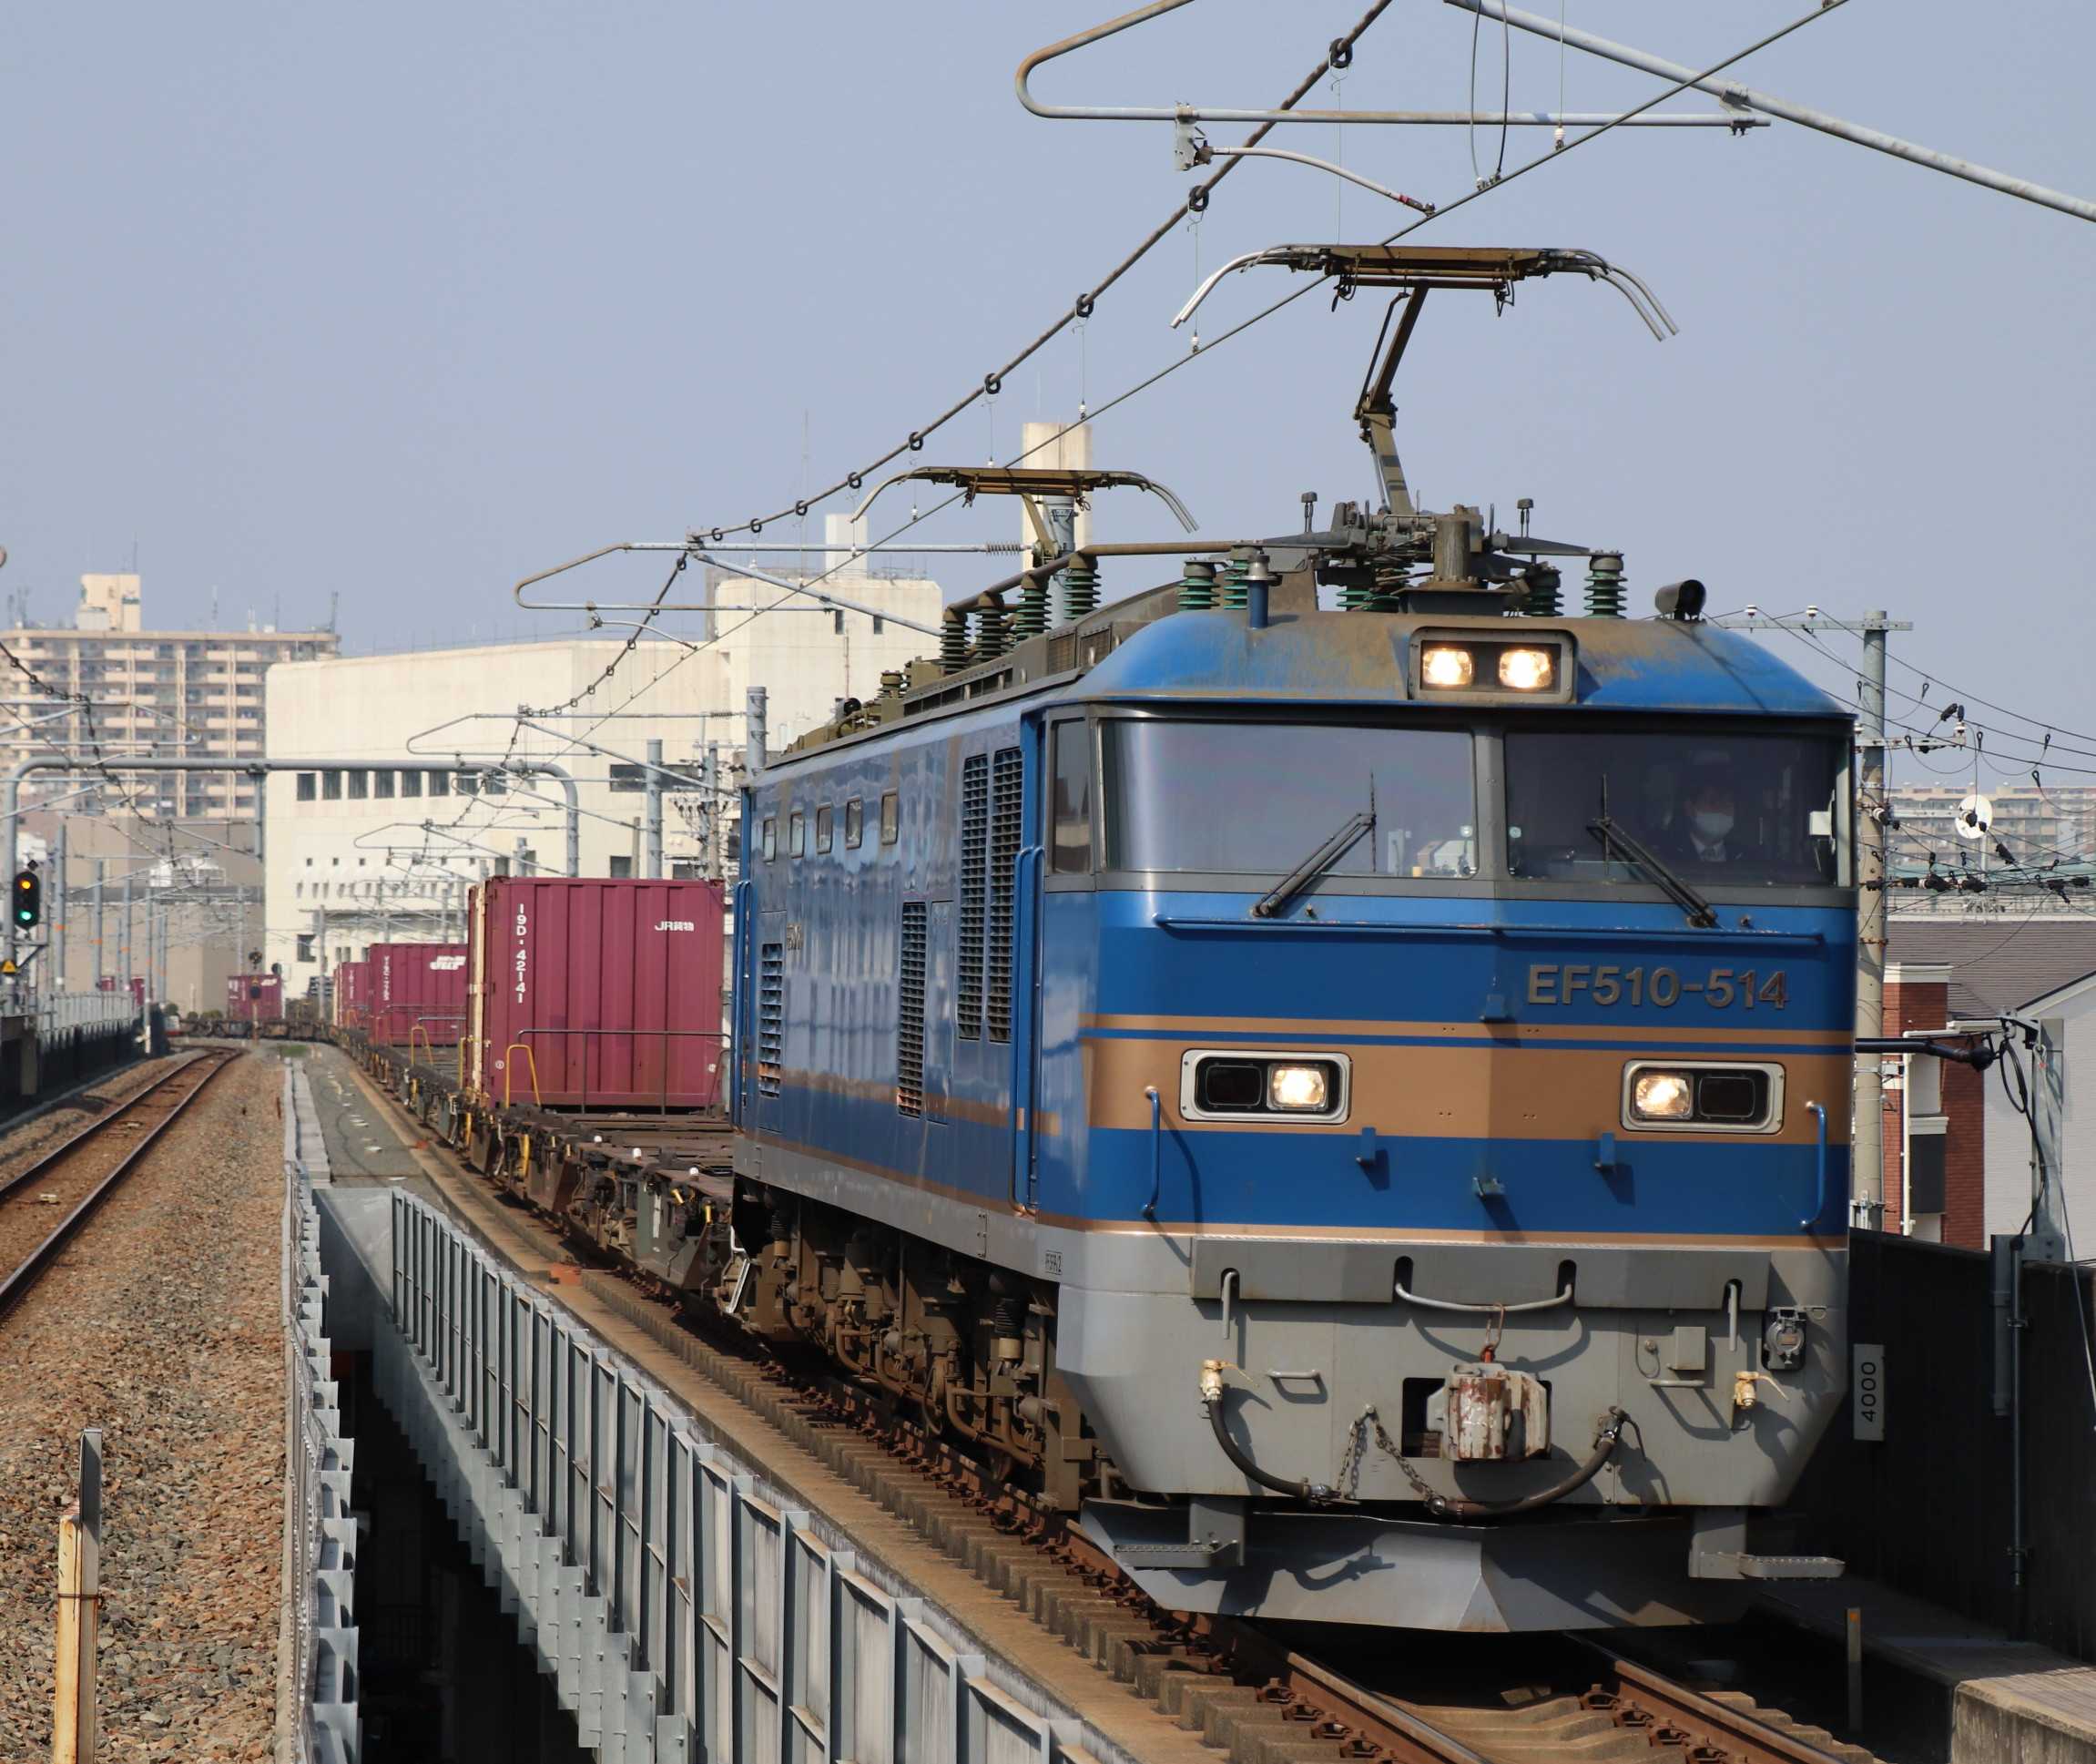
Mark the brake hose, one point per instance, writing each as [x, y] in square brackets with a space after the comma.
[1449, 1506]
[1212, 1395]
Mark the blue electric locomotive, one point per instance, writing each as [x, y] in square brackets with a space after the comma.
[1334, 1073]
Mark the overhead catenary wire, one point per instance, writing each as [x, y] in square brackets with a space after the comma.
[855, 480]
[1079, 310]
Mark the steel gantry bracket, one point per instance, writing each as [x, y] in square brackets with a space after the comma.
[1199, 113]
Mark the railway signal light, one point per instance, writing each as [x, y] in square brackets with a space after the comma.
[28, 899]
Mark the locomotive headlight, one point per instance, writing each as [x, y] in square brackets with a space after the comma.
[1662, 1097]
[1298, 1089]
[1446, 666]
[1527, 670]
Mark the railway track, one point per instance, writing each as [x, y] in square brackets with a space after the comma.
[1244, 1689]
[1582, 1700]
[43, 1206]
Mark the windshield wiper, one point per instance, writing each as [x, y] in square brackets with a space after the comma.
[1316, 864]
[1700, 911]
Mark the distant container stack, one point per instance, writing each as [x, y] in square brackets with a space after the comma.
[254, 997]
[597, 994]
[417, 995]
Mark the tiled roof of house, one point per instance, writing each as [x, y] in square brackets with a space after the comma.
[1999, 963]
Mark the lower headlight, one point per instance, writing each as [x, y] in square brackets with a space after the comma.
[1299, 1089]
[1662, 1097]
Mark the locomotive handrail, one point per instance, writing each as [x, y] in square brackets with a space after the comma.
[1481, 928]
[1157, 1150]
[1411, 1298]
[1819, 1209]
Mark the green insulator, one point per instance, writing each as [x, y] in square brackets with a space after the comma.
[1391, 580]
[1357, 596]
[1540, 598]
[1197, 587]
[1080, 591]
[954, 642]
[1605, 584]
[1234, 574]
[991, 639]
[1030, 616]
[1030, 619]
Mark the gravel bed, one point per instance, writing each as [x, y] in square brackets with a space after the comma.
[161, 1325]
[25, 1144]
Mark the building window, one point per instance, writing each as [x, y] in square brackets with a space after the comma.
[796, 834]
[621, 868]
[469, 783]
[440, 784]
[305, 948]
[309, 786]
[891, 818]
[686, 869]
[770, 839]
[360, 785]
[492, 784]
[334, 863]
[300, 890]
[308, 863]
[382, 784]
[332, 786]
[854, 823]
[822, 826]
[411, 784]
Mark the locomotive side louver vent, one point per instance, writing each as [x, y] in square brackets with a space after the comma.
[909, 1013]
[770, 1017]
[975, 894]
[1005, 824]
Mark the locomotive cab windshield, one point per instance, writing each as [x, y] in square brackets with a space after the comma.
[1751, 809]
[1623, 805]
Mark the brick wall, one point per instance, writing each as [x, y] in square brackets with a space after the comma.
[1920, 1000]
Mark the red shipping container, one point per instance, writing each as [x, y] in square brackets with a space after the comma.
[254, 997]
[418, 993]
[350, 994]
[594, 993]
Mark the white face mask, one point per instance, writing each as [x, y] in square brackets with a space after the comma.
[1713, 825]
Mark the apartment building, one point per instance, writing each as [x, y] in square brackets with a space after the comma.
[173, 694]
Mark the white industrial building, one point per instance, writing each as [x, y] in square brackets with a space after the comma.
[414, 791]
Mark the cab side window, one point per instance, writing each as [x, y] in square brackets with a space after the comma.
[1070, 801]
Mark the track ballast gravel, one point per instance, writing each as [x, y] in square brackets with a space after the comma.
[160, 1324]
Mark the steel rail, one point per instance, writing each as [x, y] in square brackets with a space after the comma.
[1675, 1720]
[1645, 1698]
[32, 1266]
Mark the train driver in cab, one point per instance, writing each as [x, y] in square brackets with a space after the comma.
[1705, 830]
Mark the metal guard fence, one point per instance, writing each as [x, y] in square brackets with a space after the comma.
[320, 1535]
[729, 1626]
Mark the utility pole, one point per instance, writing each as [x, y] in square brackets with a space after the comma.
[100, 865]
[711, 848]
[56, 980]
[1866, 1141]
[654, 808]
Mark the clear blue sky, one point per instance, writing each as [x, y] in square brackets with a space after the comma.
[404, 301]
